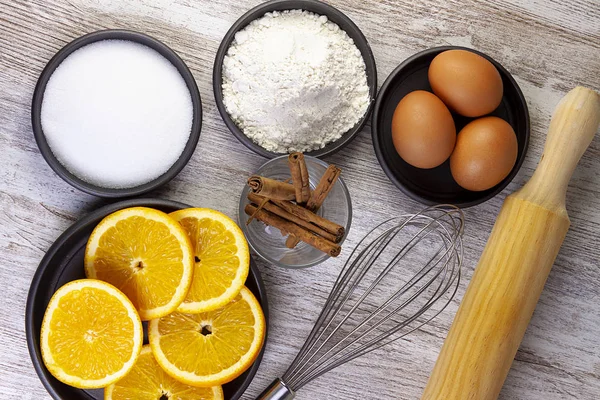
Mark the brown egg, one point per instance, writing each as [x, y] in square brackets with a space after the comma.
[466, 82]
[485, 153]
[423, 130]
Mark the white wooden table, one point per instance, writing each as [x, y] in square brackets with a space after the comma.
[548, 46]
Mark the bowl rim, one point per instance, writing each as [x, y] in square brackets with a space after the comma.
[324, 257]
[116, 34]
[376, 131]
[280, 5]
[73, 230]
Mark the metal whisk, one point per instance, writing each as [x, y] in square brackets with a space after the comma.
[372, 303]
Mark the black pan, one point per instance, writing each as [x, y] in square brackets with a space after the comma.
[64, 263]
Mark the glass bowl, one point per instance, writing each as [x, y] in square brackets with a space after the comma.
[269, 243]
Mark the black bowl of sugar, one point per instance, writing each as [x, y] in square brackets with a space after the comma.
[116, 113]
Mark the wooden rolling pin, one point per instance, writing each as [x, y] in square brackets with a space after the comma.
[515, 263]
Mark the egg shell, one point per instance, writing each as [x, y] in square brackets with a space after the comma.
[466, 82]
[485, 153]
[423, 130]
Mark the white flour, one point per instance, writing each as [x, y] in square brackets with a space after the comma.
[293, 81]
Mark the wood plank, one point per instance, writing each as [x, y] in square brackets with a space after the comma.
[548, 46]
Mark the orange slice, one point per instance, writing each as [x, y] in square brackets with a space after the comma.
[210, 348]
[147, 381]
[91, 334]
[144, 253]
[222, 258]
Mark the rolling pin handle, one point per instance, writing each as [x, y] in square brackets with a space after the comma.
[572, 129]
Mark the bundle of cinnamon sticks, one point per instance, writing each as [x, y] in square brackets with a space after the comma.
[292, 207]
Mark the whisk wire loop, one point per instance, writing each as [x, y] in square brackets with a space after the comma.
[379, 341]
[383, 306]
[371, 305]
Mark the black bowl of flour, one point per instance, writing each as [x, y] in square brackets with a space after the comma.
[316, 7]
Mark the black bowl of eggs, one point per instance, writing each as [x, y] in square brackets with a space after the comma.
[450, 125]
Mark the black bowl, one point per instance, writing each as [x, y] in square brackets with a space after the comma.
[316, 7]
[38, 96]
[436, 185]
[64, 263]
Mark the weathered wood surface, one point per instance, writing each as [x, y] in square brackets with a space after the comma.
[548, 46]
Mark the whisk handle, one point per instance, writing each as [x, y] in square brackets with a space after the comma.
[277, 391]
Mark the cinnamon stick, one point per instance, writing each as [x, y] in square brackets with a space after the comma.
[300, 178]
[271, 188]
[323, 188]
[318, 196]
[283, 225]
[309, 216]
[272, 206]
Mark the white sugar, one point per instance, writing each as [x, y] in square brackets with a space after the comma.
[116, 113]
